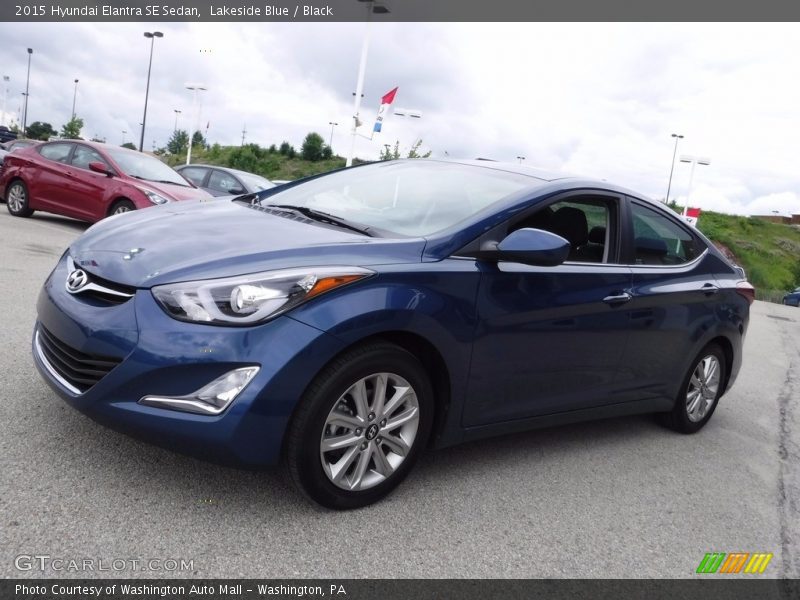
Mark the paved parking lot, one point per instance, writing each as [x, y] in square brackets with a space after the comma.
[618, 498]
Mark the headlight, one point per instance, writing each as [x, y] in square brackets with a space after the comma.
[153, 197]
[250, 299]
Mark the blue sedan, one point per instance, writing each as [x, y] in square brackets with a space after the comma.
[344, 323]
[792, 298]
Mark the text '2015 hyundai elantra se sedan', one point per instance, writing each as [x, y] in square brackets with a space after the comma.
[346, 322]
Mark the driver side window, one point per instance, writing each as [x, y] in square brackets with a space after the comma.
[585, 222]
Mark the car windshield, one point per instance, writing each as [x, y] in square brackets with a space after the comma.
[144, 166]
[255, 182]
[412, 198]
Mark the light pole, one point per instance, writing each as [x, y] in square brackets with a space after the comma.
[177, 112]
[152, 35]
[194, 88]
[74, 96]
[672, 165]
[123, 136]
[27, 89]
[520, 159]
[694, 160]
[330, 143]
[6, 79]
[372, 7]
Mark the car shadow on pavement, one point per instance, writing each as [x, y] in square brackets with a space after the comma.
[149, 474]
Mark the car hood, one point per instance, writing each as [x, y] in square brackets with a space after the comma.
[220, 238]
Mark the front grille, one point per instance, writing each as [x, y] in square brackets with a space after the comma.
[78, 369]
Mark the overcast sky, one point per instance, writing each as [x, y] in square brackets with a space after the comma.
[598, 100]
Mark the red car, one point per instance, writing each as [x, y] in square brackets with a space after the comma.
[88, 181]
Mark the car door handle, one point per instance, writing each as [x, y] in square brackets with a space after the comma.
[617, 298]
[709, 289]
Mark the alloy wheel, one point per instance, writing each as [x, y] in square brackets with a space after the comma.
[16, 198]
[369, 431]
[703, 388]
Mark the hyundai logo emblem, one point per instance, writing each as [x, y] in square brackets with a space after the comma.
[77, 280]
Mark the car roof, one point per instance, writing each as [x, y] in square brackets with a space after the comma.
[221, 168]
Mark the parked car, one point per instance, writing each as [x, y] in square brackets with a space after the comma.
[222, 181]
[9, 147]
[6, 134]
[88, 180]
[792, 298]
[18, 144]
[351, 320]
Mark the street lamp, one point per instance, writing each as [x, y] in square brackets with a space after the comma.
[332, 124]
[177, 112]
[152, 36]
[27, 89]
[694, 160]
[74, 96]
[672, 165]
[194, 88]
[6, 79]
[123, 136]
[520, 159]
[362, 67]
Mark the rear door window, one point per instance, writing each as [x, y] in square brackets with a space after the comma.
[658, 240]
[56, 152]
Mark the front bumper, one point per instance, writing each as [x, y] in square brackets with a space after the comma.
[162, 356]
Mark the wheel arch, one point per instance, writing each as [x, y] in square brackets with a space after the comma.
[116, 200]
[431, 359]
[727, 349]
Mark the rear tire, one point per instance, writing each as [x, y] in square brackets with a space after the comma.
[699, 393]
[17, 199]
[121, 206]
[360, 427]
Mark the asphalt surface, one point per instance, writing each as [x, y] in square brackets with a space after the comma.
[615, 498]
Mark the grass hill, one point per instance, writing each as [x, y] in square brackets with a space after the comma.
[769, 252]
[268, 162]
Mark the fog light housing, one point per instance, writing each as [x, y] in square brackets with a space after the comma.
[211, 399]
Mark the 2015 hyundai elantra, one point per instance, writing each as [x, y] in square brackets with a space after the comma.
[346, 322]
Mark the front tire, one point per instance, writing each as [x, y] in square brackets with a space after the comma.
[121, 206]
[700, 392]
[360, 427]
[17, 199]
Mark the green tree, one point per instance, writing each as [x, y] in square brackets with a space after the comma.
[287, 149]
[312, 147]
[129, 146]
[40, 131]
[327, 152]
[273, 149]
[414, 151]
[179, 142]
[72, 129]
[389, 153]
[198, 140]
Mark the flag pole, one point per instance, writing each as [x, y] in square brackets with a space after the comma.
[362, 67]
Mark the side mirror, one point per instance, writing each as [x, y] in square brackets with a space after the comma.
[530, 247]
[237, 190]
[99, 167]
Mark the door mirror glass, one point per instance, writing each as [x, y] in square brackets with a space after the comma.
[237, 190]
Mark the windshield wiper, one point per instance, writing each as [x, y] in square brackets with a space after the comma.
[324, 217]
[157, 180]
[167, 181]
